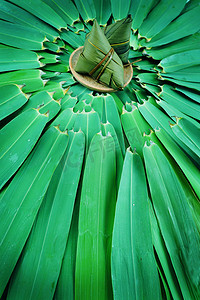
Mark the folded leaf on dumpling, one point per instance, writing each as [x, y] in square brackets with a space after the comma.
[118, 35]
[99, 60]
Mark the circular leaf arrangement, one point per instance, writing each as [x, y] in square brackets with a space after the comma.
[99, 192]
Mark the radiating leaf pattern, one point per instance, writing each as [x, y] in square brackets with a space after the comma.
[52, 240]
[133, 264]
[99, 192]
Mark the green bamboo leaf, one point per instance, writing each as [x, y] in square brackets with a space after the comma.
[192, 199]
[190, 5]
[139, 97]
[86, 104]
[173, 112]
[47, 58]
[134, 53]
[44, 102]
[120, 8]
[164, 287]
[45, 13]
[163, 256]
[130, 89]
[47, 75]
[17, 140]
[51, 46]
[65, 9]
[31, 79]
[79, 91]
[189, 169]
[20, 36]
[112, 116]
[183, 145]
[97, 103]
[89, 123]
[155, 117]
[89, 98]
[132, 249]
[134, 126]
[55, 88]
[154, 90]
[178, 230]
[118, 102]
[17, 15]
[17, 59]
[73, 39]
[191, 74]
[181, 102]
[65, 120]
[160, 16]
[97, 206]
[103, 11]
[185, 84]
[107, 128]
[191, 94]
[142, 96]
[134, 43]
[185, 25]
[53, 223]
[65, 54]
[65, 288]
[59, 67]
[66, 78]
[86, 9]
[68, 102]
[124, 97]
[68, 48]
[180, 61]
[149, 78]
[186, 44]
[130, 106]
[139, 9]
[188, 134]
[12, 98]
[18, 198]
[82, 106]
[61, 44]
[78, 26]
[145, 65]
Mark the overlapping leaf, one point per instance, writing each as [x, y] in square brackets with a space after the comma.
[18, 198]
[12, 98]
[160, 104]
[17, 140]
[134, 273]
[178, 230]
[44, 252]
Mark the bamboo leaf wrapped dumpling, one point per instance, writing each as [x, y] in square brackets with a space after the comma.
[99, 60]
[118, 35]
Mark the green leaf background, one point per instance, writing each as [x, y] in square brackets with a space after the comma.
[99, 192]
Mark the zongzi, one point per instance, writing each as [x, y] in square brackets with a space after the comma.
[99, 60]
[118, 35]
